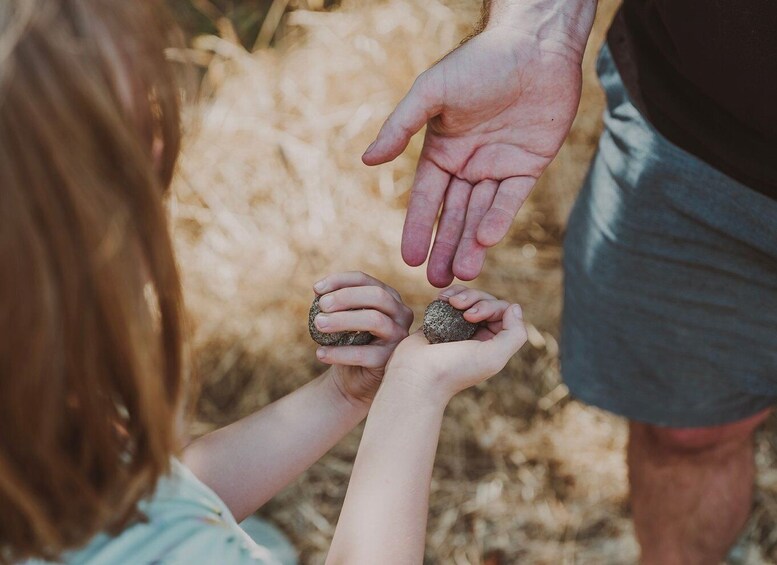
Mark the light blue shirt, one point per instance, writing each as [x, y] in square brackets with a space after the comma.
[187, 524]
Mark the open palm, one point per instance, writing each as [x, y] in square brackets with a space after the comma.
[498, 109]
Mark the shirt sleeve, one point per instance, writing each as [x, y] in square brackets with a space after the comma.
[186, 524]
[211, 543]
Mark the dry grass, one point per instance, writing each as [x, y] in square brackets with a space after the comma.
[272, 196]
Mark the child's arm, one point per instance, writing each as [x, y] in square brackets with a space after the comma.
[248, 462]
[384, 516]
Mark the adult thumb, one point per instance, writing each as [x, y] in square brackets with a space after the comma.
[418, 106]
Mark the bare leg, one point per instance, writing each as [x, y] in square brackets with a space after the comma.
[691, 489]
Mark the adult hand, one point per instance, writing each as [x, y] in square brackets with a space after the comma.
[498, 109]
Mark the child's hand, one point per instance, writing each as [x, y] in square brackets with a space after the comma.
[354, 301]
[443, 369]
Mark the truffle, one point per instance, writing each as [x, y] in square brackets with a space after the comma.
[337, 338]
[444, 323]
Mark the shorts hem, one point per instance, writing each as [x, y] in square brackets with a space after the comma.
[690, 418]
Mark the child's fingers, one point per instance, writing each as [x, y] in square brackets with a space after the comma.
[451, 290]
[507, 342]
[377, 323]
[374, 297]
[369, 356]
[486, 311]
[485, 334]
[351, 278]
[468, 297]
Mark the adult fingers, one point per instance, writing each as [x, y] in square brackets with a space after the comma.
[509, 198]
[471, 255]
[377, 323]
[370, 356]
[449, 230]
[420, 104]
[373, 297]
[425, 199]
[346, 279]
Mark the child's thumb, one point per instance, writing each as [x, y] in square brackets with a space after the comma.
[511, 338]
[513, 318]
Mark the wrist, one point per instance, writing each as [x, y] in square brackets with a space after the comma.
[343, 401]
[414, 389]
[556, 24]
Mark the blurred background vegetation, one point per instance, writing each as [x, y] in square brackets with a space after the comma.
[245, 17]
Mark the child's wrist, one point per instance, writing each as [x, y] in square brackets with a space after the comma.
[342, 400]
[415, 388]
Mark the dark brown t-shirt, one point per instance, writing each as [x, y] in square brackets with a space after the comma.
[704, 73]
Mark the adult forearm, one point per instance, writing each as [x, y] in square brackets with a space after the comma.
[564, 23]
[248, 462]
[383, 520]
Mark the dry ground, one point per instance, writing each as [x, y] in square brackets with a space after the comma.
[272, 196]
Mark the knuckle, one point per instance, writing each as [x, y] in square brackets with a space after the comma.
[356, 275]
[398, 333]
[394, 294]
[376, 320]
[380, 294]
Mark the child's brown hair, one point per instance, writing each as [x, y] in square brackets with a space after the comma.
[90, 300]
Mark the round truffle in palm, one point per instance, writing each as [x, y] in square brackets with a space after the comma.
[444, 323]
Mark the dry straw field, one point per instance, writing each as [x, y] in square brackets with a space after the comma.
[272, 195]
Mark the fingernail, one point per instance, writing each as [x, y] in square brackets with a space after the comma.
[321, 353]
[326, 302]
[473, 310]
[447, 293]
[462, 297]
[322, 321]
[371, 147]
[515, 310]
[320, 285]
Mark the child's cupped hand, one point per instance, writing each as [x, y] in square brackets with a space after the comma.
[444, 369]
[354, 301]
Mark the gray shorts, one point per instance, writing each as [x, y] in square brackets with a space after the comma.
[670, 288]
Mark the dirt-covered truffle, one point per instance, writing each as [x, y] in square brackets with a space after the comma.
[337, 338]
[444, 323]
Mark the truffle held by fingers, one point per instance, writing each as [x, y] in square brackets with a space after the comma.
[336, 338]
